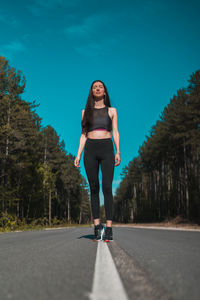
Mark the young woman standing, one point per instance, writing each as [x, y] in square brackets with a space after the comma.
[98, 119]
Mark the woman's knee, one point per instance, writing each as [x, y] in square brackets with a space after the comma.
[94, 187]
[107, 188]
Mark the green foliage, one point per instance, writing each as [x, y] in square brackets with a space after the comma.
[164, 179]
[37, 177]
[10, 221]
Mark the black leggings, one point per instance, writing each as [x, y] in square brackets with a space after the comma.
[100, 151]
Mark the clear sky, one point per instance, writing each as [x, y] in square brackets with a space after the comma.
[143, 51]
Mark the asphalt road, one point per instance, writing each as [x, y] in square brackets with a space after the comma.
[164, 264]
[59, 264]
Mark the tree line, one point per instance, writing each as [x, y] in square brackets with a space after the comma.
[163, 181]
[38, 179]
[37, 175]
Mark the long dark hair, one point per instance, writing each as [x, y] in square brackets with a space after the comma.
[89, 108]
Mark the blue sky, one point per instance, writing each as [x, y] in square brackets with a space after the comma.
[144, 51]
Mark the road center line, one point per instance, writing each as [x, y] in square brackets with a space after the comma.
[107, 284]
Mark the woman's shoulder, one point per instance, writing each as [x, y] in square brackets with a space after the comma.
[113, 109]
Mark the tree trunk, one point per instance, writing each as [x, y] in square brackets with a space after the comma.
[50, 207]
[186, 180]
[7, 147]
[44, 181]
[68, 211]
[80, 216]
[168, 192]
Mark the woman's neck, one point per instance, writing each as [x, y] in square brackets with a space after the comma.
[99, 104]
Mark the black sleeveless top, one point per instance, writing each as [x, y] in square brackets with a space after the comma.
[101, 119]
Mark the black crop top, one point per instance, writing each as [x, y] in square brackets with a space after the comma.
[101, 119]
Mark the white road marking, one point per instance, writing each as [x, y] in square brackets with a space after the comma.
[59, 228]
[161, 228]
[107, 284]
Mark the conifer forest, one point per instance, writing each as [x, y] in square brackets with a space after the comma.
[38, 179]
[163, 181]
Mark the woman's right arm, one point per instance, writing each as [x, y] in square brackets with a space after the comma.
[82, 142]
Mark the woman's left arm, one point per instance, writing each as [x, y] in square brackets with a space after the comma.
[116, 136]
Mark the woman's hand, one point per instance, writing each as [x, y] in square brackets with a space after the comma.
[117, 158]
[77, 160]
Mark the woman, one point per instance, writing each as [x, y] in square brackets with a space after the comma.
[97, 121]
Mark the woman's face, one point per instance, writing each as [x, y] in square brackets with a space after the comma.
[98, 89]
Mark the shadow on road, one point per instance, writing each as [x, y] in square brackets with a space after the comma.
[88, 236]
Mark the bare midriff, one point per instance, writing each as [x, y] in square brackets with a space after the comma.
[99, 133]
